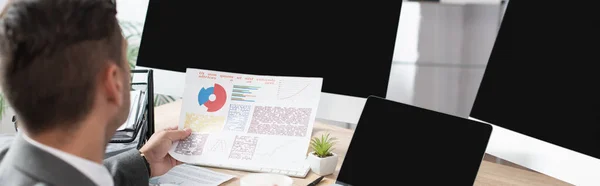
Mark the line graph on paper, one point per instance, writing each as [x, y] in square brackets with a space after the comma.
[219, 146]
[274, 151]
[292, 89]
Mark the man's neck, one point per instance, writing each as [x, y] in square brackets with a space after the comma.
[87, 142]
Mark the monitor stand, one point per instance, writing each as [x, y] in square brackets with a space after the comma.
[546, 158]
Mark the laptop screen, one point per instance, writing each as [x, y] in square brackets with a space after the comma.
[395, 142]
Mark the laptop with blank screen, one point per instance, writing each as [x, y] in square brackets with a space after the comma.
[396, 143]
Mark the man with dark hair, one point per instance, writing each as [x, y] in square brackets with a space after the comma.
[65, 73]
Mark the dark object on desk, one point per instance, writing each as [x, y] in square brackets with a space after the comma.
[418, 141]
[14, 120]
[140, 125]
[141, 112]
[317, 181]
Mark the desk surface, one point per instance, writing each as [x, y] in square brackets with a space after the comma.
[489, 173]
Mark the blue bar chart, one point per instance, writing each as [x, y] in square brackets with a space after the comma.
[244, 93]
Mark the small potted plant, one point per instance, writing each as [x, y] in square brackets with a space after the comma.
[322, 160]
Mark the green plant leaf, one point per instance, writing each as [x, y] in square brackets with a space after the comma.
[160, 99]
[323, 145]
[132, 33]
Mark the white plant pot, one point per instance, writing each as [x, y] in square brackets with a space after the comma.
[322, 166]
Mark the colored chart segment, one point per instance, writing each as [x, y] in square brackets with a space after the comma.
[220, 97]
[244, 93]
[204, 123]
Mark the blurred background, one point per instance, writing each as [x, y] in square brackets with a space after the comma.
[441, 52]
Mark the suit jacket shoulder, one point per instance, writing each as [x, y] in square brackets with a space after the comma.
[24, 164]
[14, 176]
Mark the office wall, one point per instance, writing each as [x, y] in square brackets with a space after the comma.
[454, 44]
[132, 10]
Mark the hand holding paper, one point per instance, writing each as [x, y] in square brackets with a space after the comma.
[157, 148]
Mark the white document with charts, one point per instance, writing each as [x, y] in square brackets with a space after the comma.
[248, 122]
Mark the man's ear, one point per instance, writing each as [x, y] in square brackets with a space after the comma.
[112, 84]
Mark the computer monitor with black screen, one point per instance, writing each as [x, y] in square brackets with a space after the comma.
[541, 91]
[399, 143]
[349, 44]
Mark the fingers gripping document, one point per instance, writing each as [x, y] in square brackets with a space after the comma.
[248, 122]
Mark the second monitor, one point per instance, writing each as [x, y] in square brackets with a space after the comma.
[350, 44]
[540, 91]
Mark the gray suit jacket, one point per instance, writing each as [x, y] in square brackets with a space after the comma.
[23, 164]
